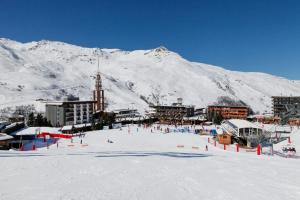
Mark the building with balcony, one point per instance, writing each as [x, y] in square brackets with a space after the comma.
[69, 112]
[172, 113]
[286, 107]
[227, 112]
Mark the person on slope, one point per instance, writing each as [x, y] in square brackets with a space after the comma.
[109, 141]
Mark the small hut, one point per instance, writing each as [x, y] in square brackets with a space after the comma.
[5, 141]
[224, 138]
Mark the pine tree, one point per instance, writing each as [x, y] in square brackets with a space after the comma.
[218, 118]
[39, 120]
[31, 119]
[46, 122]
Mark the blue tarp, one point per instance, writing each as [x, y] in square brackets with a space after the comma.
[39, 143]
[213, 132]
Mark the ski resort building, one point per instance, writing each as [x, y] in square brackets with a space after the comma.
[71, 129]
[286, 107]
[174, 112]
[243, 130]
[265, 119]
[280, 103]
[126, 114]
[69, 112]
[227, 112]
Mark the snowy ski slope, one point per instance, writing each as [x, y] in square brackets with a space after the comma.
[144, 165]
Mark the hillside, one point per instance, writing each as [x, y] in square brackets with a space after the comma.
[46, 70]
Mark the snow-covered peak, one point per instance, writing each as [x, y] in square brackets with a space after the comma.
[161, 49]
[47, 69]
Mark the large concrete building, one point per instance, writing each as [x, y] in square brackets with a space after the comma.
[69, 112]
[281, 104]
[286, 107]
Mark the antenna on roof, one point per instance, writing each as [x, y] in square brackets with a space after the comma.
[98, 63]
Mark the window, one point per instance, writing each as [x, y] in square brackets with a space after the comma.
[247, 131]
[241, 132]
[259, 132]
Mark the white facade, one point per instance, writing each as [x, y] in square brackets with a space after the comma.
[241, 128]
[82, 113]
[69, 113]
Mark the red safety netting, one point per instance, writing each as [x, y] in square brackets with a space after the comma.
[54, 135]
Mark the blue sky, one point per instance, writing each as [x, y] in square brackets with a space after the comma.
[244, 35]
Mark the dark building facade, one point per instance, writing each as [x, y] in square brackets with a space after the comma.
[173, 111]
[281, 104]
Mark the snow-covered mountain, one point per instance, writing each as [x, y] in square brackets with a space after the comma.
[46, 69]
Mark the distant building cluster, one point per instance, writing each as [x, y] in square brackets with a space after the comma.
[71, 111]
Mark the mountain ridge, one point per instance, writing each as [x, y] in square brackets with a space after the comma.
[131, 79]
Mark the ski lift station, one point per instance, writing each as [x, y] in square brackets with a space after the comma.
[241, 128]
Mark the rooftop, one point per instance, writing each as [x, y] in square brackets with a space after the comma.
[239, 123]
[120, 110]
[70, 127]
[229, 106]
[59, 103]
[172, 106]
[285, 96]
[4, 136]
[35, 130]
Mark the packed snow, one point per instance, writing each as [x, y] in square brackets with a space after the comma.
[138, 163]
[47, 69]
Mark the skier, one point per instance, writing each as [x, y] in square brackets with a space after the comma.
[109, 141]
[206, 148]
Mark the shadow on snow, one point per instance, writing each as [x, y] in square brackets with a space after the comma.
[109, 154]
[146, 154]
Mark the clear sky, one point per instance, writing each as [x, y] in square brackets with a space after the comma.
[244, 35]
